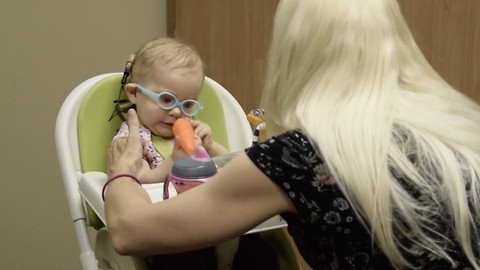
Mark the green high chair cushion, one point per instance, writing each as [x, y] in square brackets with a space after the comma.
[213, 114]
[94, 130]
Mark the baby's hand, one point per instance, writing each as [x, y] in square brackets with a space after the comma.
[203, 132]
[178, 151]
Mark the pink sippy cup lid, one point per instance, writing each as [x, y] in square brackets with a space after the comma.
[199, 165]
[201, 155]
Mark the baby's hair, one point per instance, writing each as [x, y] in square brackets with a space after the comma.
[168, 52]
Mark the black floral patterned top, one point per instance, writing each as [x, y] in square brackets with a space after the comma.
[325, 228]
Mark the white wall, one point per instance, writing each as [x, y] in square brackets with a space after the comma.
[47, 48]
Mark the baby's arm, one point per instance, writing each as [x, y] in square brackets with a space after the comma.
[144, 170]
[158, 174]
[204, 132]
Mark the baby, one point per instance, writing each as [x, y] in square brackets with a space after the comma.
[166, 79]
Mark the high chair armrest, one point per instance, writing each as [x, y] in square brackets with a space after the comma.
[91, 184]
[90, 188]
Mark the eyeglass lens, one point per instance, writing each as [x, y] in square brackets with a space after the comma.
[169, 101]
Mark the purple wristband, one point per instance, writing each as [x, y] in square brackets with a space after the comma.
[131, 176]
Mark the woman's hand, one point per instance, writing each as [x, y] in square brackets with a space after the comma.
[125, 154]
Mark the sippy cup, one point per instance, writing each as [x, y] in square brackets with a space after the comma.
[189, 172]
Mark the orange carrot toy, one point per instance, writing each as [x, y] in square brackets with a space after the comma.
[183, 130]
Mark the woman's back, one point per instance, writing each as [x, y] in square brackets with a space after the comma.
[326, 228]
[401, 143]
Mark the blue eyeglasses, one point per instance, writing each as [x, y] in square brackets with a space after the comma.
[168, 101]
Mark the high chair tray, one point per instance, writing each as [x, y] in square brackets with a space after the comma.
[91, 184]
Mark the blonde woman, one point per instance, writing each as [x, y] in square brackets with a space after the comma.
[374, 160]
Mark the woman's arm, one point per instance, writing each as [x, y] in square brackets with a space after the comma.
[237, 199]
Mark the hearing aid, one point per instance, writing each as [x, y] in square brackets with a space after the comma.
[128, 68]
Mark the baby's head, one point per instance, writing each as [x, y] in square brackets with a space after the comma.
[173, 69]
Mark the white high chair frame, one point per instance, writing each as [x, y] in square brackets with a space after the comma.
[82, 188]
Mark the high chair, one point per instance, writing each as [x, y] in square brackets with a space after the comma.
[83, 135]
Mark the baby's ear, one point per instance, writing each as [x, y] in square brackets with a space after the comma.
[131, 91]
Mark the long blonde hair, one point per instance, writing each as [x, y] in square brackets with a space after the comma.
[349, 74]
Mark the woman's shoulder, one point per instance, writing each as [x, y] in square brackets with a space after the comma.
[290, 155]
[293, 139]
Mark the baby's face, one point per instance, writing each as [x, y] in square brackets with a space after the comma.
[183, 84]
